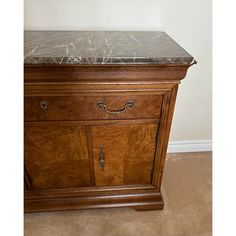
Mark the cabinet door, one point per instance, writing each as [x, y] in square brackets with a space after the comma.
[56, 157]
[127, 151]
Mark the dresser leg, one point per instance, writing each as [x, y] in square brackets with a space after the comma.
[149, 207]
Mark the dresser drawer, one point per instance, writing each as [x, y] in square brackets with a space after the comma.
[40, 108]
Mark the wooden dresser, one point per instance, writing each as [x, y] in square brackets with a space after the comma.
[98, 111]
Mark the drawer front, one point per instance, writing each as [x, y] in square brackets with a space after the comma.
[40, 108]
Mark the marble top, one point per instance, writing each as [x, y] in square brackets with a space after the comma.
[102, 47]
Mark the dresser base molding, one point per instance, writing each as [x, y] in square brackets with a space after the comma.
[137, 197]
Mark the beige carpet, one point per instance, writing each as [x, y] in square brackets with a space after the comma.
[187, 212]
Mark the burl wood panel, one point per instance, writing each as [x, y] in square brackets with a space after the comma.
[85, 107]
[56, 157]
[129, 153]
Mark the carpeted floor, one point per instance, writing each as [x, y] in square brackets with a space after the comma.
[187, 195]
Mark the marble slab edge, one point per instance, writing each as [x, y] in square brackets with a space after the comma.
[105, 61]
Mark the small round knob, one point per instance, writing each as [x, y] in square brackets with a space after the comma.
[43, 105]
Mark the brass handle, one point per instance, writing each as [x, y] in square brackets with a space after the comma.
[43, 105]
[104, 106]
[101, 159]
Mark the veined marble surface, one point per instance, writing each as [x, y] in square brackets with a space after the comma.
[102, 47]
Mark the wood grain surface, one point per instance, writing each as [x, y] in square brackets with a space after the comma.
[57, 157]
[85, 107]
[108, 73]
[129, 153]
[62, 142]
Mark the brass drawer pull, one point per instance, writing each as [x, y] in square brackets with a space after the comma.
[101, 159]
[43, 105]
[104, 106]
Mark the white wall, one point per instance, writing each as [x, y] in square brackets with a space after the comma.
[187, 21]
[91, 14]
